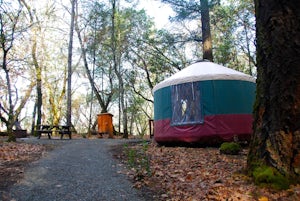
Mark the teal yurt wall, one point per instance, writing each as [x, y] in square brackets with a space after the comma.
[205, 103]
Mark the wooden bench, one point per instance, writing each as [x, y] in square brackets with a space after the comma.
[65, 130]
[40, 129]
[49, 129]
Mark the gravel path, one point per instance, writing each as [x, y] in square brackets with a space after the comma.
[77, 169]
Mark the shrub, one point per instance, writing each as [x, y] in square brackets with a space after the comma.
[231, 148]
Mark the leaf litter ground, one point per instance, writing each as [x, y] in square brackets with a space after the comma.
[14, 158]
[189, 173]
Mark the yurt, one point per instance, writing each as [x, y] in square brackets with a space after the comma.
[204, 103]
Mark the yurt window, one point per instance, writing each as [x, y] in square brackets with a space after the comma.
[186, 104]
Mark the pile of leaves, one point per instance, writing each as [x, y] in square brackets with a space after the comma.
[14, 157]
[185, 173]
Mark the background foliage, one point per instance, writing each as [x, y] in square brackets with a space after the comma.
[145, 55]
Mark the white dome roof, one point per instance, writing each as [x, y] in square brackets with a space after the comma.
[203, 71]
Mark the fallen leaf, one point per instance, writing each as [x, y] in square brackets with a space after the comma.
[263, 198]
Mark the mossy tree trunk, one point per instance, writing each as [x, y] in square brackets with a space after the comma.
[36, 31]
[276, 137]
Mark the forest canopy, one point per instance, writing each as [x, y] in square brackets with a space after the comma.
[119, 54]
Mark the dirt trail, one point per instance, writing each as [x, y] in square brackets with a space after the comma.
[78, 169]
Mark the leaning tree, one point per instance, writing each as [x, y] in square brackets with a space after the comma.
[275, 147]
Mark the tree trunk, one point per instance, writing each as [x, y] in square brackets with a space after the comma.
[10, 122]
[248, 47]
[104, 104]
[206, 35]
[33, 118]
[38, 89]
[116, 58]
[38, 69]
[10, 119]
[276, 137]
[70, 49]
[6, 44]
[38, 74]
[56, 101]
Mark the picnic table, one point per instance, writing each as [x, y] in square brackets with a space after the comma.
[49, 129]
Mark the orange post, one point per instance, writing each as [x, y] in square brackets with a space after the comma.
[105, 124]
